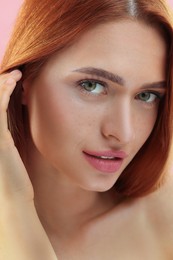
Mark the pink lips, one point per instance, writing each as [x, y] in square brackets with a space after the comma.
[105, 161]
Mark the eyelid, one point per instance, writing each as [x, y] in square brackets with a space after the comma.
[159, 94]
[104, 84]
[92, 93]
[150, 104]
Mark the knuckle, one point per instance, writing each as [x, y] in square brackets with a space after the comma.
[12, 76]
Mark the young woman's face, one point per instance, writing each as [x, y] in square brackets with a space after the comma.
[95, 104]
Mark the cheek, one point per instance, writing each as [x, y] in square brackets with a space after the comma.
[56, 119]
[144, 125]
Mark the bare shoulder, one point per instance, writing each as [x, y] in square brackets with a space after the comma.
[162, 200]
[159, 208]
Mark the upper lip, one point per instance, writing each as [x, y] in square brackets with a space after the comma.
[107, 154]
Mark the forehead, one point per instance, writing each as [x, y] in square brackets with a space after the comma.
[125, 47]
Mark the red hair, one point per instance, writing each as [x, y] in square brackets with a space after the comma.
[48, 26]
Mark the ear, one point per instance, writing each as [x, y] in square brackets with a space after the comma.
[25, 86]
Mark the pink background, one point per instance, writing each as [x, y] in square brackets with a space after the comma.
[8, 11]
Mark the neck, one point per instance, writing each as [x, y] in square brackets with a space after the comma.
[62, 206]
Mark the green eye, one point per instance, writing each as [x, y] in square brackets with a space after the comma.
[89, 85]
[93, 87]
[147, 97]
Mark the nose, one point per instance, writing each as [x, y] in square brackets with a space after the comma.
[118, 123]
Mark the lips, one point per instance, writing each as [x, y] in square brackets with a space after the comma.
[105, 161]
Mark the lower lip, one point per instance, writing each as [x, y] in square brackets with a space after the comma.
[103, 165]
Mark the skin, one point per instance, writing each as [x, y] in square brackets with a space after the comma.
[101, 130]
[18, 215]
[71, 195]
[73, 199]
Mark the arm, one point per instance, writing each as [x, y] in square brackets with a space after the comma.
[22, 236]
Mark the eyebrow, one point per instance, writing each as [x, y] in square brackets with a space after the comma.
[115, 78]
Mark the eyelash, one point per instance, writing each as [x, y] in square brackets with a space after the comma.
[158, 97]
[105, 86]
[101, 83]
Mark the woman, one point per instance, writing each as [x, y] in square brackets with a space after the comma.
[90, 114]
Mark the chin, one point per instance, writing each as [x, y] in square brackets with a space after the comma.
[99, 188]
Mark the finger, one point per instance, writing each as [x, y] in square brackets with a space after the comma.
[15, 74]
[4, 78]
[6, 88]
[4, 101]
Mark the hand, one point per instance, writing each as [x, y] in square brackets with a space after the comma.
[22, 236]
[15, 182]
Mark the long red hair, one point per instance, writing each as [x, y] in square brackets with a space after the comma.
[46, 27]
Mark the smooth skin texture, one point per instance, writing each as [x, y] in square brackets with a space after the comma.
[71, 112]
[67, 120]
[22, 236]
[68, 115]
